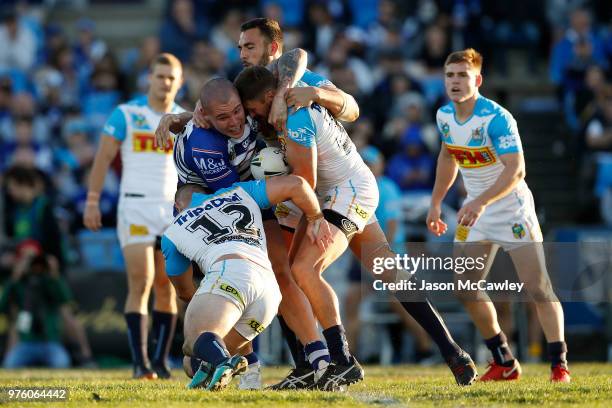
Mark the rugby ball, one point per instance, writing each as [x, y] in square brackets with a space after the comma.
[269, 162]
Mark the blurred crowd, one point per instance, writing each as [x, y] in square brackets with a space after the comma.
[57, 90]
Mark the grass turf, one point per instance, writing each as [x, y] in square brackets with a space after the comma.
[397, 386]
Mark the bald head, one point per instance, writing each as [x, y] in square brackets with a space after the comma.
[222, 107]
[183, 195]
[217, 90]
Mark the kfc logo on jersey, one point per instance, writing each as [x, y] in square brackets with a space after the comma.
[472, 157]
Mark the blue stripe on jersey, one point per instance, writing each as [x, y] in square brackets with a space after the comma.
[257, 190]
[116, 125]
[314, 79]
[176, 263]
[301, 128]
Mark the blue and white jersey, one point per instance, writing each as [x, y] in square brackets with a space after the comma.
[211, 159]
[477, 143]
[146, 170]
[313, 79]
[308, 79]
[227, 222]
[337, 157]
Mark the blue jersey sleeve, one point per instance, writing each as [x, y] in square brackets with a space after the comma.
[313, 79]
[257, 190]
[301, 128]
[503, 132]
[209, 158]
[176, 263]
[115, 125]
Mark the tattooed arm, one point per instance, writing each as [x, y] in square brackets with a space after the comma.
[289, 68]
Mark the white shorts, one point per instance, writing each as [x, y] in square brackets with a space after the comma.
[510, 222]
[251, 287]
[355, 199]
[140, 221]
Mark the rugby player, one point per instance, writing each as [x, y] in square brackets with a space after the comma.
[223, 234]
[216, 158]
[148, 183]
[261, 43]
[481, 139]
[319, 149]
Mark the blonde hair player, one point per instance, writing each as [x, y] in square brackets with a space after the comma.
[480, 138]
[145, 206]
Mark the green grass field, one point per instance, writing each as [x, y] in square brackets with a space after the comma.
[398, 386]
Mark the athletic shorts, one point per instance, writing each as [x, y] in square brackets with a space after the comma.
[350, 206]
[140, 221]
[510, 222]
[251, 287]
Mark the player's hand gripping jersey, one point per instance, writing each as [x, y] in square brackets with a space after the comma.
[476, 145]
[147, 171]
[213, 160]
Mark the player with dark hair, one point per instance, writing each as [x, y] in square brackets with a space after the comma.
[319, 149]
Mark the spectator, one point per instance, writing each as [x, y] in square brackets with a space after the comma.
[598, 135]
[320, 29]
[18, 50]
[34, 298]
[224, 36]
[72, 80]
[88, 49]
[364, 12]
[29, 213]
[205, 62]
[6, 92]
[338, 56]
[291, 11]
[180, 30]
[413, 168]
[55, 39]
[138, 63]
[12, 151]
[105, 92]
[564, 51]
[388, 22]
[586, 101]
[73, 161]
